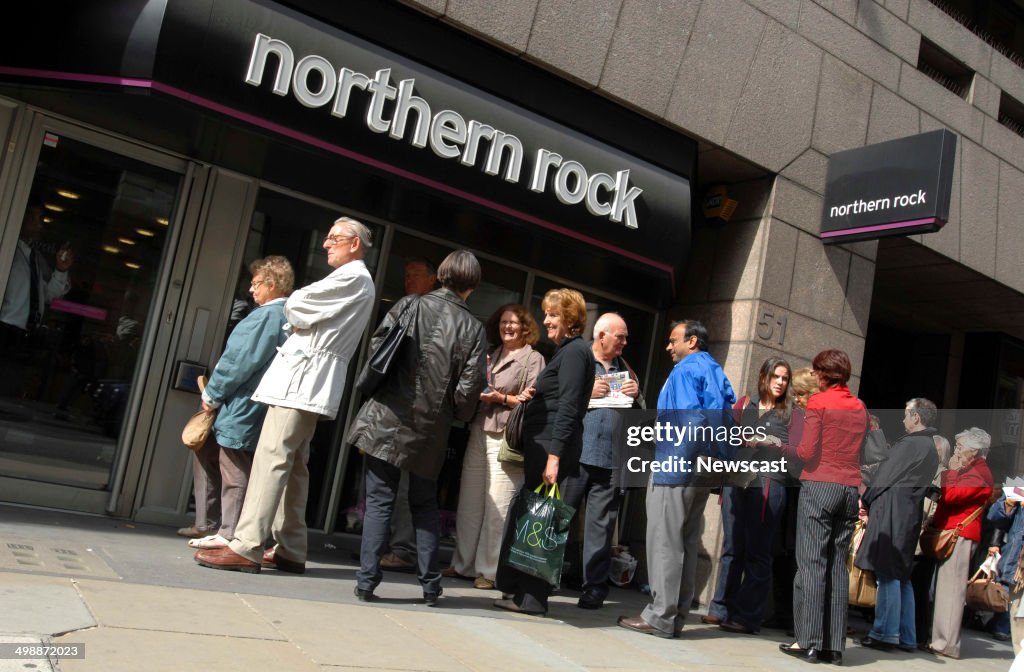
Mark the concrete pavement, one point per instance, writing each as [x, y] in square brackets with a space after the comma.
[133, 595]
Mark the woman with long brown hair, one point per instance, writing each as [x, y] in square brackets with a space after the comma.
[751, 514]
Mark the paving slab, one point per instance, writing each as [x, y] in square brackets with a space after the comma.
[180, 610]
[110, 649]
[357, 636]
[23, 664]
[583, 647]
[482, 643]
[47, 607]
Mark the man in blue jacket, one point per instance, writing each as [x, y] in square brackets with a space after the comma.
[694, 402]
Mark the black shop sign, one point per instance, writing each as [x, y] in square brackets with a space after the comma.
[893, 188]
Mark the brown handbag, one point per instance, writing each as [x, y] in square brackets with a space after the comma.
[197, 430]
[984, 594]
[863, 587]
[939, 544]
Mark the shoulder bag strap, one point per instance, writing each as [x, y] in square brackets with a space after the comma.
[967, 521]
[522, 378]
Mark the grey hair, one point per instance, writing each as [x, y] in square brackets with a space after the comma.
[975, 437]
[943, 449]
[278, 270]
[925, 409]
[604, 320]
[357, 229]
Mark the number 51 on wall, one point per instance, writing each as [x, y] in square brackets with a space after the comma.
[767, 323]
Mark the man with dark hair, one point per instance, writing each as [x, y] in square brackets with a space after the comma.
[696, 396]
[420, 278]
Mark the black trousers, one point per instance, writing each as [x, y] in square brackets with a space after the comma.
[529, 592]
[594, 484]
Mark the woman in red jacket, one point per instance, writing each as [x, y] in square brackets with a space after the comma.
[833, 432]
[966, 488]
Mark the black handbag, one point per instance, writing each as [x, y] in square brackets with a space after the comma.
[376, 368]
[511, 441]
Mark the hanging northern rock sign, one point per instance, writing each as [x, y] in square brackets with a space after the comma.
[894, 188]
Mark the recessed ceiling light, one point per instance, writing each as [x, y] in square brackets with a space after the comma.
[55, 208]
[68, 194]
[47, 220]
[110, 249]
[145, 232]
[163, 221]
[126, 241]
[132, 266]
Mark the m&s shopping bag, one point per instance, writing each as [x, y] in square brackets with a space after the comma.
[541, 531]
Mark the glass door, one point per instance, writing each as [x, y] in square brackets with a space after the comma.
[81, 264]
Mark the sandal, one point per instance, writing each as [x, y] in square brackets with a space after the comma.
[210, 542]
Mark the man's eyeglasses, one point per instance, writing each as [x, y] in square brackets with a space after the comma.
[334, 240]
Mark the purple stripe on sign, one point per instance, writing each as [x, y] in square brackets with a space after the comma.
[880, 227]
[92, 312]
[340, 151]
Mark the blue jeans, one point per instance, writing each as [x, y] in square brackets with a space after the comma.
[894, 613]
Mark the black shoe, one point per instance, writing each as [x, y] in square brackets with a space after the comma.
[831, 657]
[873, 643]
[811, 655]
[430, 599]
[1001, 636]
[365, 595]
[736, 628]
[590, 600]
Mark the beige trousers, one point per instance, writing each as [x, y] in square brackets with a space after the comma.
[1016, 624]
[485, 492]
[275, 502]
[950, 592]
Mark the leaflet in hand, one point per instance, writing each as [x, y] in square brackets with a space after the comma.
[615, 398]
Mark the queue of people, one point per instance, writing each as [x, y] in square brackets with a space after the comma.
[786, 532]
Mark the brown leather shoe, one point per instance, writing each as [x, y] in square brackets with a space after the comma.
[225, 558]
[710, 620]
[637, 624]
[272, 560]
[483, 583]
[393, 562]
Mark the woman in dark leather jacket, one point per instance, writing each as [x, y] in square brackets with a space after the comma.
[437, 375]
[552, 431]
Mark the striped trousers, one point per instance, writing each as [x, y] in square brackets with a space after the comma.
[825, 517]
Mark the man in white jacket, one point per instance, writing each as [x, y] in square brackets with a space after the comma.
[303, 384]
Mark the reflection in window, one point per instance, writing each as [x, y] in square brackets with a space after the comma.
[75, 309]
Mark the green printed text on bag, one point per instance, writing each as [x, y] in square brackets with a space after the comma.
[542, 528]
